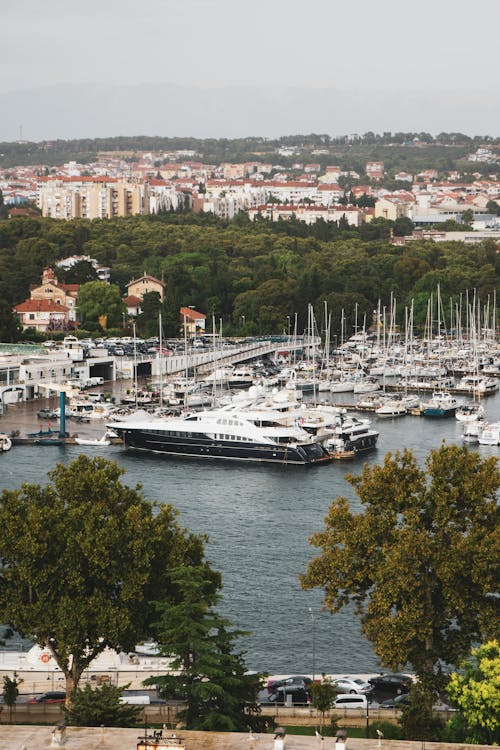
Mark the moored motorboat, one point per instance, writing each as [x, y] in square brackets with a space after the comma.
[93, 441]
[478, 385]
[367, 385]
[230, 433]
[351, 435]
[442, 404]
[392, 407]
[470, 412]
[489, 434]
[5, 442]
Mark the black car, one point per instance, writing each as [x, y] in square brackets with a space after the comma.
[390, 685]
[398, 702]
[290, 684]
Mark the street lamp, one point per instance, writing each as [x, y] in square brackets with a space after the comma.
[313, 643]
[288, 319]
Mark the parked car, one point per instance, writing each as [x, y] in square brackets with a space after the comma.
[294, 693]
[46, 414]
[403, 700]
[389, 685]
[398, 702]
[353, 685]
[52, 697]
[296, 682]
[351, 701]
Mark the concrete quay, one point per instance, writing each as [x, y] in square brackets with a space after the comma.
[105, 738]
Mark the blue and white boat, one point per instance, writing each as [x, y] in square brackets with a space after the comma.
[441, 404]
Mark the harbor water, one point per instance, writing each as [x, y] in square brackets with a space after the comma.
[258, 519]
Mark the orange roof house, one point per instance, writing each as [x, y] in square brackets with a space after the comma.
[193, 321]
[43, 315]
[51, 306]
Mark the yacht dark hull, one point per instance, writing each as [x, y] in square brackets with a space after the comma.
[200, 446]
[361, 443]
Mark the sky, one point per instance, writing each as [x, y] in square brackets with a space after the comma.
[347, 45]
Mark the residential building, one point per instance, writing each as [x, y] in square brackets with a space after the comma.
[91, 198]
[403, 177]
[192, 321]
[375, 170]
[139, 287]
[43, 315]
[393, 207]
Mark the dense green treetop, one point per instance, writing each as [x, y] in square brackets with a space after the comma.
[97, 299]
[420, 562]
[83, 558]
[209, 675]
[476, 692]
[100, 707]
[229, 267]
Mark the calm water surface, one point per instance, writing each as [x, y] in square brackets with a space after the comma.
[258, 519]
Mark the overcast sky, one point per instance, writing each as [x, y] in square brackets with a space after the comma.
[445, 51]
[383, 44]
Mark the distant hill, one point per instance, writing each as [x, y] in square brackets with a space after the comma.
[101, 110]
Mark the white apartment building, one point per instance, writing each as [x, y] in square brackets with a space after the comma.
[91, 198]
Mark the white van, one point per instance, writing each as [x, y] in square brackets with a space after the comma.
[350, 701]
[136, 700]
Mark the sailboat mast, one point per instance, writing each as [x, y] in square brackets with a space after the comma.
[160, 332]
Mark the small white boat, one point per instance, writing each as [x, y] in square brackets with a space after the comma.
[93, 441]
[341, 386]
[370, 402]
[392, 407]
[5, 442]
[367, 385]
[490, 434]
[469, 413]
[480, 386]
[472, 430]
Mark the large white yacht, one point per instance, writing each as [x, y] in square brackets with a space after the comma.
[231, 433]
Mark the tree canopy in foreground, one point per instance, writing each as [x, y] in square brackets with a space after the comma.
[420, 562]
[100, 706]
[83, 558]
[210, 676]
[476, 691]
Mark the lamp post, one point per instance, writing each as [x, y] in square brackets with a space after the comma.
[313, 643]
[288, 319]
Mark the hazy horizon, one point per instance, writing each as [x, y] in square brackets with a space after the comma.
[270, 68]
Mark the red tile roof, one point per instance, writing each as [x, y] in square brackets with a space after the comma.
[191, 314]
[133, 301]
[40, 305]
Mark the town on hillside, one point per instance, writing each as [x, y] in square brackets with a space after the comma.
[307, 180]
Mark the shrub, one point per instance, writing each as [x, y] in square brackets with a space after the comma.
[100, 706]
